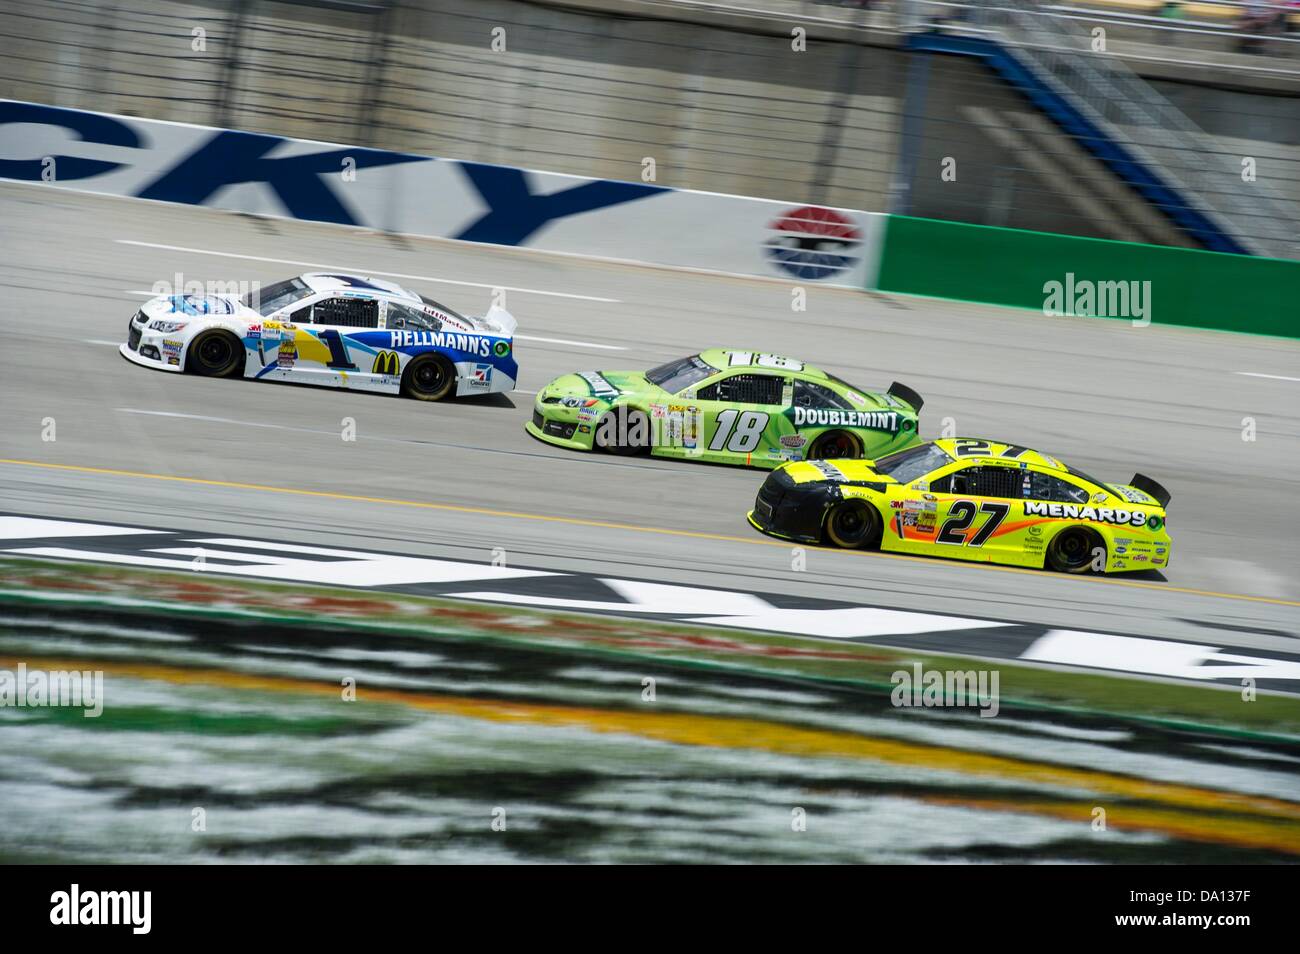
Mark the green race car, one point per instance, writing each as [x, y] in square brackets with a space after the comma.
[727, 407]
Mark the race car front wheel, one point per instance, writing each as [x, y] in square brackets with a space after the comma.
[215, 354]
[835, 445]
[429, 377]
[1074, 549]
[853, 524]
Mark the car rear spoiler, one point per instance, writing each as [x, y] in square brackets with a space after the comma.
[499, 321]
[904, 393]
[1149, 486]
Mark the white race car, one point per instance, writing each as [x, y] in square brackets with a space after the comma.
[333, 330]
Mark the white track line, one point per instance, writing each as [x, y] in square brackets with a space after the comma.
[358, 270]
[1275, 377]
[566, 341]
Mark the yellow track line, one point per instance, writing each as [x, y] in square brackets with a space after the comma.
[608, 525]
[733, 732]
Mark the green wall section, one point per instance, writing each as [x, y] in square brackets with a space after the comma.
[1010, 267]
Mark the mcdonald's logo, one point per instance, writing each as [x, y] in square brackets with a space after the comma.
[385, 363]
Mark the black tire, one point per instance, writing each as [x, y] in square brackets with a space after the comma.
[216, 354]
[430, 377]
[835, 445]
[1071, 550]
[854, 524]
[623, 421]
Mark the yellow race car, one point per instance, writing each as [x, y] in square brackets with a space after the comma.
[970, 499]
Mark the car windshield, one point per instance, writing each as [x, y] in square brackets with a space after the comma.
[907, 465]
[676, 375]
[274, 297]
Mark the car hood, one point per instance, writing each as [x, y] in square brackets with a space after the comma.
[837, 471]
[607, 386]
[196, 306]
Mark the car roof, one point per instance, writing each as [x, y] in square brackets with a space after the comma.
[721, 358]
[997, 452]
[344, 281]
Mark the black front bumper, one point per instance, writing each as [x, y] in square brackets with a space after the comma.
[794, 511]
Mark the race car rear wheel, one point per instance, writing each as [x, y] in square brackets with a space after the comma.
[622, 430]
[215, 354]
[835, 445]
[853, 524]
[1073, 550]
[429, 377]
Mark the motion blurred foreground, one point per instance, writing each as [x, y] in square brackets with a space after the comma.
[499, 734]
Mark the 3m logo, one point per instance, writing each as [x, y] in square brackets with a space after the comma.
[385, 363]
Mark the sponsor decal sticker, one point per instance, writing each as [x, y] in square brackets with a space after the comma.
[811, 242]
[1133, 496]
[195, 305]
[599, 386]
[1135, 518]
[829, 470]
[823, 417]
[287, 355]
[446, 340]
[386, 362]
[681, 427]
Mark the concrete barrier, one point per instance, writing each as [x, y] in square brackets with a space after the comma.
[441, 198]
[1065, 274]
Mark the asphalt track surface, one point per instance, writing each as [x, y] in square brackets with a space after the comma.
[461, 478]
